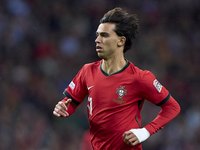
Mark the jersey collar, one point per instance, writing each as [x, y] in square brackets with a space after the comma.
[106, 74]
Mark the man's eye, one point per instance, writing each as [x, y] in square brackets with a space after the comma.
[101, 34]
[104, 35]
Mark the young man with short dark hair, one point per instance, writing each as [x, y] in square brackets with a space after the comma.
[117, 89]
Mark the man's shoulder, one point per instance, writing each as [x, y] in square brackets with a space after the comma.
[92, 65]
[138, 71]
[135, 69]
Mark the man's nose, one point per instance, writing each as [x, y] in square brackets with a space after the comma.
[97, 40]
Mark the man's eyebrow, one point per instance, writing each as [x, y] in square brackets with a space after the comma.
[102, 33]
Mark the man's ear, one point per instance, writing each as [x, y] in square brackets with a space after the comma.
[122, 41]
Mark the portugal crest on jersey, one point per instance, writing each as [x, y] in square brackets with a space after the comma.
[121, 92]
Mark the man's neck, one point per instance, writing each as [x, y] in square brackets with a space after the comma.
[111, 66]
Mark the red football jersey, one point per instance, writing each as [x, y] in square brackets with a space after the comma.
[114, 101]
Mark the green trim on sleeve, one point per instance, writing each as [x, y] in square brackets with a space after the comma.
[164, 101]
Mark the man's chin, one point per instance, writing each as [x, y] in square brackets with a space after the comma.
[101, 55]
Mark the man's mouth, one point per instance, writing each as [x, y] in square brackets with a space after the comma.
[98, 48]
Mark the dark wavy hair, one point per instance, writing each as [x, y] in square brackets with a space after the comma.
[126, 24]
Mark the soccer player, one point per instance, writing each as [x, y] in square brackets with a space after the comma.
[117, 89]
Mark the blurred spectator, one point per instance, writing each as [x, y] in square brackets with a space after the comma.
[86, 141]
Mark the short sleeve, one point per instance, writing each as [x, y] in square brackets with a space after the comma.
[151, 89]
[77, 88]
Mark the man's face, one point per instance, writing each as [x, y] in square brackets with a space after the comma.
[107, 40]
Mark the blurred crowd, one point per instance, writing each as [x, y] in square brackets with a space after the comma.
[44, 43]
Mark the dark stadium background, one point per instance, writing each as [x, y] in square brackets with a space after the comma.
[44, 43]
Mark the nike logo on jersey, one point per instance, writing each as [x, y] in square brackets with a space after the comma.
[89, 87]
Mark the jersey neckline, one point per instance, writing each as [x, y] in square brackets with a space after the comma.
[107, 75]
